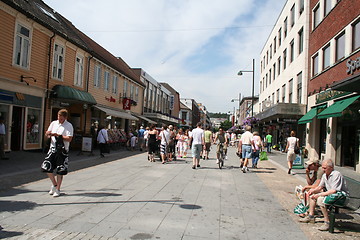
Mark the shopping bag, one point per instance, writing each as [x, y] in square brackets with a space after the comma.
[263, 156]
[300, 208]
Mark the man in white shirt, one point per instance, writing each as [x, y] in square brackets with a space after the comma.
[165, 138]
[61, 133]
[246, 146]
[2, 139]
[197, 138]
[102, 139]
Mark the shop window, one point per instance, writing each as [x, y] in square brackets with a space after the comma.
[22, 46]
[33, 126]
[4, 113]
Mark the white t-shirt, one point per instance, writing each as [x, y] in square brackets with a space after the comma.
[197, 136]
[292, 142]
[165, 134]
[66, 129]
[246, 138]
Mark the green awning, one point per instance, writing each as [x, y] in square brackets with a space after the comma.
[337, 108]
[72, 94]
[308, 117]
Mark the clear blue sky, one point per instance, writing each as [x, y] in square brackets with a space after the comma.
[196, 46]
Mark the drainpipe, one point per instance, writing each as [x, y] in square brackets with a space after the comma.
[87, 88]
[47, 81]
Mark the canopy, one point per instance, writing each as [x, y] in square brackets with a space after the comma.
[336, 109]
[308, 117]
[144, 118]
[116, 113]
[72, 94]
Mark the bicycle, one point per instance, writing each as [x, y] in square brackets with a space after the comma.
[221, 155]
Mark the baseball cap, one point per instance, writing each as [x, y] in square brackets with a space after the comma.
[312, 161]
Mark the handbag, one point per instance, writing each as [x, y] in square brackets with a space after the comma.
[105, 146]
[263, 156]
[296, 148]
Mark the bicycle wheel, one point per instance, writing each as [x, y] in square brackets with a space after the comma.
[221, 160]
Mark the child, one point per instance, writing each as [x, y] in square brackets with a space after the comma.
[133, 141]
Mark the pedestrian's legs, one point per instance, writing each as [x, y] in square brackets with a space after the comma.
[52, 178]
[59, 179]
[2, 146]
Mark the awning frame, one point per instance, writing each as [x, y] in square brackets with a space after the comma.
[336, 109]
[116, 113]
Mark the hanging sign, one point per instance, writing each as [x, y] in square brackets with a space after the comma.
[126, 103]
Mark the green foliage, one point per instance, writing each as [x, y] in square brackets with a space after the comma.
[226, 125]
[218, 115]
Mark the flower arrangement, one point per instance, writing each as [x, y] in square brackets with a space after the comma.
[251, 121]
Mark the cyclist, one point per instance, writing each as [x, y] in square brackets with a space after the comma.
[223, 140]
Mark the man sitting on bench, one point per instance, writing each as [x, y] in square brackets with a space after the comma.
[335, 193]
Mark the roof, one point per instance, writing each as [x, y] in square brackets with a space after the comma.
[183, 106]
[171, 89]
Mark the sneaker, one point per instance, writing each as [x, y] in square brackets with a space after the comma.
[244, 170]
[193, 167]
[226, 158]
[324, 227]
[307, 219]
[52, 190]
[198, 165]
[247, 169]
[217, 161]
[293, 173]
[56, 193]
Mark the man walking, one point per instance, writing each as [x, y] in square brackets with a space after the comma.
[245, 147]
[141, 133]
[165, 138]
[208, 139]
[197, 138]
[61, 134]
[268, 139]
[2, 139]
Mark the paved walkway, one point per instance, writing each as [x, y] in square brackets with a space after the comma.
[131, 198]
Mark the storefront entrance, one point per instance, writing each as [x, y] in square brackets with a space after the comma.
[17, 128]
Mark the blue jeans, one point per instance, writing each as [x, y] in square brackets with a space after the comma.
[269, 145]
[256, 156]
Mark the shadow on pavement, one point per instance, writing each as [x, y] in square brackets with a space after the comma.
[13, 206]
[6, 234]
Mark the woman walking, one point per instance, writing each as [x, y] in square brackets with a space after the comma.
[292, 141]
[258, 146]
[152, 143]
[180, 143]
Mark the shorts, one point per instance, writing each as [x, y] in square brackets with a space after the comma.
[246, 151]
[56, 160]
[207, 146]
[196, 150]
[218, 148]
[291, 155]
[163, 148]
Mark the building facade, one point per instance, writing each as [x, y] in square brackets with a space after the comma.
[195, 111]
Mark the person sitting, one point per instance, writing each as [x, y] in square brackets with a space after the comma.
[313, 178]
[335, 189]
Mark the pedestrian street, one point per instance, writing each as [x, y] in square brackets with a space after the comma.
[132, 198]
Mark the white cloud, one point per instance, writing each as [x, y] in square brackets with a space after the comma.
[161, 36]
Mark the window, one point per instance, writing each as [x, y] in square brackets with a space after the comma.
[299, 87]
[106, 80]
[316, 16]
[270, 51]
[115, 84]
[315, 61]
[301, 40]
[125, 89]
[184, 115]
[292, 51]
[326, 56]
[340, 46]
[274, 45]
[356, 35]
[79, 71]
[274, 71]
[261, 66]
[261, 86]
[33, 126]
[301, 6]
[22, 46]
[292, 16]
[266, 80]
[131, 92]
[327, 7]
[272, 98]
[136, 94]
[267, 57]
[290, 90]
[58, 62]
[285, 27]
[279, 36]
[264, 62]
[278, 95]
[270, 76]
[284, 59]
[279, 66]
[283, 93]
[97, 75]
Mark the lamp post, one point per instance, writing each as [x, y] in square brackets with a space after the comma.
[237, 99]
[253, 82]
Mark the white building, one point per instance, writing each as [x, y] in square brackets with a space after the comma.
[284, 71]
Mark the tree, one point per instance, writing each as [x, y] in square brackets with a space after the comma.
[226, 125]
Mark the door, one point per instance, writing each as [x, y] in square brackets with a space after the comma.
[17, 128]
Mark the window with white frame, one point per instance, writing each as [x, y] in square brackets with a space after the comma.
[292, 51]
[299, 87]
[326, 56]
[279, 37]
[136, 94]
[115, 84]
[279, 66]
[284, 58]
[285, 27]
[58, 62]
[301, 6]
[356, 35]
[278, 95]
[316, 16]
[274, 45]
[274, 71]
[132, 92]
[292, 16]
[270, 51]
[269, 76]
[260, 86]
[340, 46]
[266, 80]
[283, 93]
[290, 90]
[125, 89]
[273, 98]
[97, 75]
[327, 7]
[301, 40]
[106, 80]
[315, 63]
[79, 70]
[22, 46]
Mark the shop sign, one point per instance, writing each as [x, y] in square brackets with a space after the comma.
[110, 99]
[352, 65]
[64, 104]
[126, 103]
[328, 95]
[172, 101]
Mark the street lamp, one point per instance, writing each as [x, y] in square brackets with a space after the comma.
[253, 82]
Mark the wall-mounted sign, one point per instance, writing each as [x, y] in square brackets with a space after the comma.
[329, 95]
[126, 103]
[172, 102]
[352, 65]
